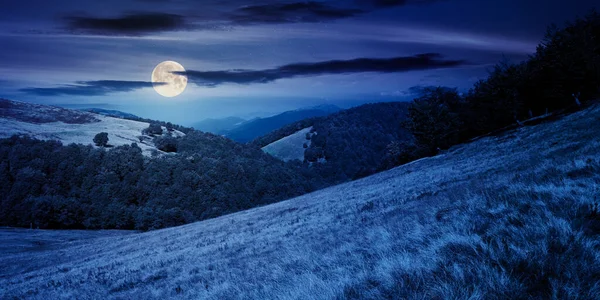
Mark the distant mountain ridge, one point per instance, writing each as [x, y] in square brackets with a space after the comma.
[218, 126]
[255, 128]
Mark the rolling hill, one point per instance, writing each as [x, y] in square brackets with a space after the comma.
[71, 126]
[130, 184]
[348, 144]
[508, 216]
[291, 147]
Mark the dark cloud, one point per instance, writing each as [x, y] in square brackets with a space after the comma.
[90, 88]
[392, 3]
[223, 15]
[298, 12]
[381, 65]
[145, 23]
[132, 24]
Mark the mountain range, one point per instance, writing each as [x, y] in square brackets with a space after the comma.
[244, 131]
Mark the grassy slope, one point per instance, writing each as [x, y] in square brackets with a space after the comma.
[289, 147]
[120, 131]
[501, 217]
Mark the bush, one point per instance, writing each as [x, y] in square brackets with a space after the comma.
[101, 139]
[401, 152]
[166, 144]
[153, 129]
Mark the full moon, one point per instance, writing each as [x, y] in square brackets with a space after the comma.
[165, 82]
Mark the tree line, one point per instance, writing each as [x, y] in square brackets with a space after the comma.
[563, 74]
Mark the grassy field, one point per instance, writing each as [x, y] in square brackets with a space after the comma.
[121, 131]
[290, 147]
[509, 216]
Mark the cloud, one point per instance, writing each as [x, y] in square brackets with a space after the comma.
[220, 15]
[380, 65]
[297, 12]
[131, 24]
[90, 88]
[392, 3]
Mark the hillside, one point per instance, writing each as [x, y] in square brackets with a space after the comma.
[40, 114]
[252, 129]
[348, 144]
[509, 216]
[54, 178]
[71, 126]
[291, 147]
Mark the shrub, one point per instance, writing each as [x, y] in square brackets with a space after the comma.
[153, 129]
[101, 139]
[166, 144]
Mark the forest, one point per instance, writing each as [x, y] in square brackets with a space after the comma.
[561, 76]
[49, 185]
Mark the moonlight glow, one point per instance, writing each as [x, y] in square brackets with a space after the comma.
[165, 82]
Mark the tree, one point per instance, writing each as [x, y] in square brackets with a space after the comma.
[566, 63]
[401, 152]
[434, 118]
[101, 139]
[166, 144]
[497, 101]
[153, 129]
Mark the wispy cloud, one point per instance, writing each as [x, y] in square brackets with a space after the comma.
[298, 12]
[219, 15]
[392, 3]
[131, 24]
[89, 88]
[381, 65]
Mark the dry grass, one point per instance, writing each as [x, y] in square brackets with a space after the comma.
[513, 216]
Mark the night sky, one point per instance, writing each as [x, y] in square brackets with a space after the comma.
[251, 58]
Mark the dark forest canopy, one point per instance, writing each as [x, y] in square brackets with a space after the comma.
[48, 185]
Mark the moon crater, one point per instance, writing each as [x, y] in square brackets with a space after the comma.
[165, 82]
